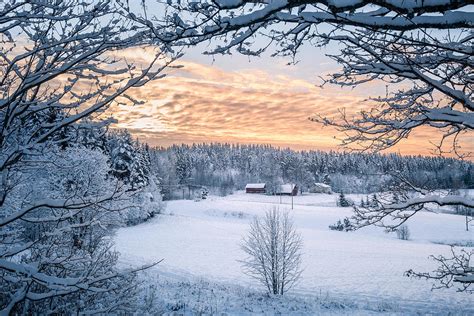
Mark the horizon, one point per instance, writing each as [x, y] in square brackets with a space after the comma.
[296, 149]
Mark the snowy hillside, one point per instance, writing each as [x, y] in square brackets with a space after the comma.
[362, 270]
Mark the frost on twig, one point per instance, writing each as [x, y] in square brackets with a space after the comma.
[455, 271]
[62, 64]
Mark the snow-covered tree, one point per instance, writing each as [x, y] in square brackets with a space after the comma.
[93, 134]
[342, 201]
[183, 166]
[59, 249]
[129, 160]
[61, 63]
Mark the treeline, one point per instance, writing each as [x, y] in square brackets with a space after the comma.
[226, 167]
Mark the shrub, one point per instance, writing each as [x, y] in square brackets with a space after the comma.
[342, 201]
[344, 225]
[403, 232]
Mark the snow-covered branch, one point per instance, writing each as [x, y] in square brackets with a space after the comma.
[62, 64]
[391, 213]
[457, 270]
[200, 21]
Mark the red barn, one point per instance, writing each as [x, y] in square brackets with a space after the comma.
[255, 188]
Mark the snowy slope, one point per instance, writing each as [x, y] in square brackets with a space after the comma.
[200, 240]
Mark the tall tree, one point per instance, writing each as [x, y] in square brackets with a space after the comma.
[61, 62]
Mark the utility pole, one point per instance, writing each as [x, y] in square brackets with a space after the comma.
[467, 222]
[291, 195]
[468, 212]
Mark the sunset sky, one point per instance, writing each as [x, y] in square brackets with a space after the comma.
[259, 100]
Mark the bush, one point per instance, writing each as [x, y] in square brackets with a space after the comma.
[204, 193]
[403, 232]
[345, 225]
[342, 201]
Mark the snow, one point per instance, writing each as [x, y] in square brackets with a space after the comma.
[200, 241]
[322, 185]
[255, 186]
[321, 188]
[286, 188]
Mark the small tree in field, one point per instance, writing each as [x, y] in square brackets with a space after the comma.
[342, 201]
[273, 248]
[403, 232]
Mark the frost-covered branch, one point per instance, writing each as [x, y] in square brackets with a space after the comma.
[457, 270]
[193, 22]
[62, 64]
[390, 210]
[434, 89]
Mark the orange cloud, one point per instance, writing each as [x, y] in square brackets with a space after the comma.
[200, 103]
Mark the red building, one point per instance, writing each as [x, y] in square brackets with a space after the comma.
[255, 188]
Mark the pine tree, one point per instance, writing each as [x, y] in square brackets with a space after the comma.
[342, 201]
[129, 162]
[374, 201]
[183, 166]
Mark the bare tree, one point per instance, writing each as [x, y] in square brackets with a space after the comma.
[469, 216]
[62, 63]
[403, 232]
[274, 251]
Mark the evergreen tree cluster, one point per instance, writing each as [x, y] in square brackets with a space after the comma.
[129, 159]
[342, 201]
[233, 166]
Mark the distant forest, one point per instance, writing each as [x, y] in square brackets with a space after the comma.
[224, 168]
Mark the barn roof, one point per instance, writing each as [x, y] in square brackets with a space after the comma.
[255, 186]
[322, 185]
[287, 188]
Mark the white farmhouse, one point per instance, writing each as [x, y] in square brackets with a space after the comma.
[321, 188]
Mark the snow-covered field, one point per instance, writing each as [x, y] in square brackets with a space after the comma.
[200, 242]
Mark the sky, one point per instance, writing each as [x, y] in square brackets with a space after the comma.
[263, 100]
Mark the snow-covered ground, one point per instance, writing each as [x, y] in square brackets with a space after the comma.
[200, 242]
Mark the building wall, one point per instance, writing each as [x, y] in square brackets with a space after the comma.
[250, 190]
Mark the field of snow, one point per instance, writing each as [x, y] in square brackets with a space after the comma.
[201, 241]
